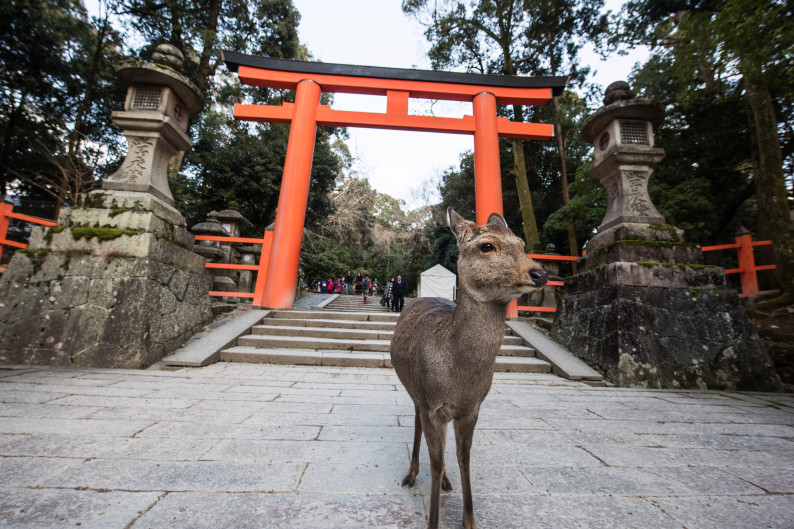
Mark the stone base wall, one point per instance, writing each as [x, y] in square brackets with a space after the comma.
[661, 337]
[85, 310]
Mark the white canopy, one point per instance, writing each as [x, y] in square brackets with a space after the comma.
[437, 282]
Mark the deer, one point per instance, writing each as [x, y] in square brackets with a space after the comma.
[444, 354]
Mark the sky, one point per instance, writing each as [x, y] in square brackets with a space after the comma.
[377, 33]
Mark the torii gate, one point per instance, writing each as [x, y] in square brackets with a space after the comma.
[310, 79]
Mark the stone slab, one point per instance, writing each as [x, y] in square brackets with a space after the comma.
[563, 362]
[209, 476]
[86, 509]
[711, 512]
[284, 511]
[207, 349]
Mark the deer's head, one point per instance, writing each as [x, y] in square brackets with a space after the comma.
[492, 264]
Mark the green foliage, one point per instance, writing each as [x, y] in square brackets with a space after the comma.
[57, 89]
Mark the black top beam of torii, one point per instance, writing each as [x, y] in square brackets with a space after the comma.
[234, 60]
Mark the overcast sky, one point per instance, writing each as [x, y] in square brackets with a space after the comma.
[377, 33]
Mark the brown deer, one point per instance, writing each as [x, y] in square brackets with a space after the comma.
[444, 354]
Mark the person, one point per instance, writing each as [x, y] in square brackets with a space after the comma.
[399, 293]
[387, 293]
[324, 286]
[330, 285]
[358, 284]
[339, 285]
[319, 285]
[312, 285]
[365, 286]
[348, 281]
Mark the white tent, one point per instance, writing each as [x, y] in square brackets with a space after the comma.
[437, 282]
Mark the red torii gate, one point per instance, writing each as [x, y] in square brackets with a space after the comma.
[310, 79]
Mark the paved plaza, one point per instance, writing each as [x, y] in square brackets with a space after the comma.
[265, 446]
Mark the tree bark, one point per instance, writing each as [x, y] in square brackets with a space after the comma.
[771, 194]
[574, 246]
[531, 233]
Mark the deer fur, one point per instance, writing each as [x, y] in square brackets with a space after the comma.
[444, 353]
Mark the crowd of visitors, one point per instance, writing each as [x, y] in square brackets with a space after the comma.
[362, 285]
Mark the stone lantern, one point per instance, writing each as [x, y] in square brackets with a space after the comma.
[232, 222]
[248, 255]
[644, 310]
[622, 133]
[154, 121]
[215, 252]
[116, 283]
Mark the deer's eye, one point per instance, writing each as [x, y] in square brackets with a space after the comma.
[487, 247]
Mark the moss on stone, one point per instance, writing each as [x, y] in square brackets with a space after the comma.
[103, 234]
[118, 211]
[682, 266]
[650, 243]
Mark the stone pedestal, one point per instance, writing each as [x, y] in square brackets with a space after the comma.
[644, 310]
[115, 283]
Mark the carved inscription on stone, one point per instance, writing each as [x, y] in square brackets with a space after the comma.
[136, 162]
[637, 200]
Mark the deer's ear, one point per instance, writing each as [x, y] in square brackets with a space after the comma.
[499, 220]
[458, 224]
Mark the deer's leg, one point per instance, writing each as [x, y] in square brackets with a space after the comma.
[464, 433]
[410, 478]
[436, 436]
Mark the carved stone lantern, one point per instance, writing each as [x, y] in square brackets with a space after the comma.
[154, 121]
[643, 309]
[622, 133]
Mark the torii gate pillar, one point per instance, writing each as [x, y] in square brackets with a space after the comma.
[487, 170]
[291, 213]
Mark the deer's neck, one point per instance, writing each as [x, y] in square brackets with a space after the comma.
[478, 326]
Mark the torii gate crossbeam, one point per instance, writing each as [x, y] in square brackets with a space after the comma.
[310, 79]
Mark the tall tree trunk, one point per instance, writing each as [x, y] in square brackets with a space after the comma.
[531, 234]
[574, 246]
[771, 194]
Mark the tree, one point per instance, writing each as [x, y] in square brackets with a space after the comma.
[231, 160]
[514, 37]
[753, 41]
[57, 89]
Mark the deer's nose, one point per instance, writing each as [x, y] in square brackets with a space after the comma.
[539, 277]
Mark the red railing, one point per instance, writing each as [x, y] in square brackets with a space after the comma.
[544, 257]
[259, 291]
[747, 268]
[6, 214]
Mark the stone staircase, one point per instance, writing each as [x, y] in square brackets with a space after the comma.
[348, 333]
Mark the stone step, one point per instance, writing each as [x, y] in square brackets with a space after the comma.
[254, 355]
[521, 365]
[247, 354]
[332, 315]
[352, 330]
[323, 332]
[299, 342]
[336, 324]
[318, 339]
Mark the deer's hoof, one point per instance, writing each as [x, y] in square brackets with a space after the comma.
[409, 481]
[446, 485]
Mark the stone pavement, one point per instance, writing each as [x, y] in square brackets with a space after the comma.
[263, 446]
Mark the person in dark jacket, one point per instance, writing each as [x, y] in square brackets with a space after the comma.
[348, 281]
[399, 294]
